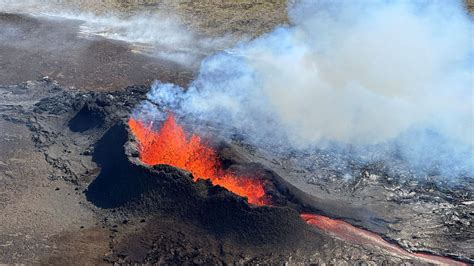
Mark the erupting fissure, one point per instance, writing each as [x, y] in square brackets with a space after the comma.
[170, 145]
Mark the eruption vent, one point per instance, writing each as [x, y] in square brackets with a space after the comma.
[170, 146]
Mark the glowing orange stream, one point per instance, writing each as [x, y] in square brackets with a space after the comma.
[352, 234]
[170, 145]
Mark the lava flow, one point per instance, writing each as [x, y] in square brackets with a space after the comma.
[354, 235]
[171, 146]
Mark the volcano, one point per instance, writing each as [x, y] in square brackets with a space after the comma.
[162, 205]
[274, 133]
[170, 145]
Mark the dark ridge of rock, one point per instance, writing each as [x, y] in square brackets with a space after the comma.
[141, 190]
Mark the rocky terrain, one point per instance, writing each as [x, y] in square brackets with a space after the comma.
[214, 18]
[33, 47]
[73, 190]
[109, 207]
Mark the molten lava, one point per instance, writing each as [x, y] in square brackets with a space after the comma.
[352, 234]
[170, 145]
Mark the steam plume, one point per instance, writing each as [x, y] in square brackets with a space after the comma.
[390, 77]
[157, 33]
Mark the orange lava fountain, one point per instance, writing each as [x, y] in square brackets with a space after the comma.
[170, 145]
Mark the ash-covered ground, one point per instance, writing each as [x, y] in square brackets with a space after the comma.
[35, 46]
[74, 189]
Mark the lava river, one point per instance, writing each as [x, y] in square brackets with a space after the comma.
[170, 145]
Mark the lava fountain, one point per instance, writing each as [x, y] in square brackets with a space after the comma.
[170, 145]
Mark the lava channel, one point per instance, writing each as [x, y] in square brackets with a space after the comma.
[354, 235]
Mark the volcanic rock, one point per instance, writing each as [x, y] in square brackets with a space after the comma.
[172, 219]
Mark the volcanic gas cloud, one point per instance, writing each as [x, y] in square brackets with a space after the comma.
[171, 146]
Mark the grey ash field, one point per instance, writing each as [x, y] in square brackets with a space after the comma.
[72, 190]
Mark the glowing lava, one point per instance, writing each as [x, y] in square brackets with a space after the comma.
[171, 146]
[354, 235]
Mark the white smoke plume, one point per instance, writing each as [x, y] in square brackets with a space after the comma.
[390, 76]
[159, 34]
